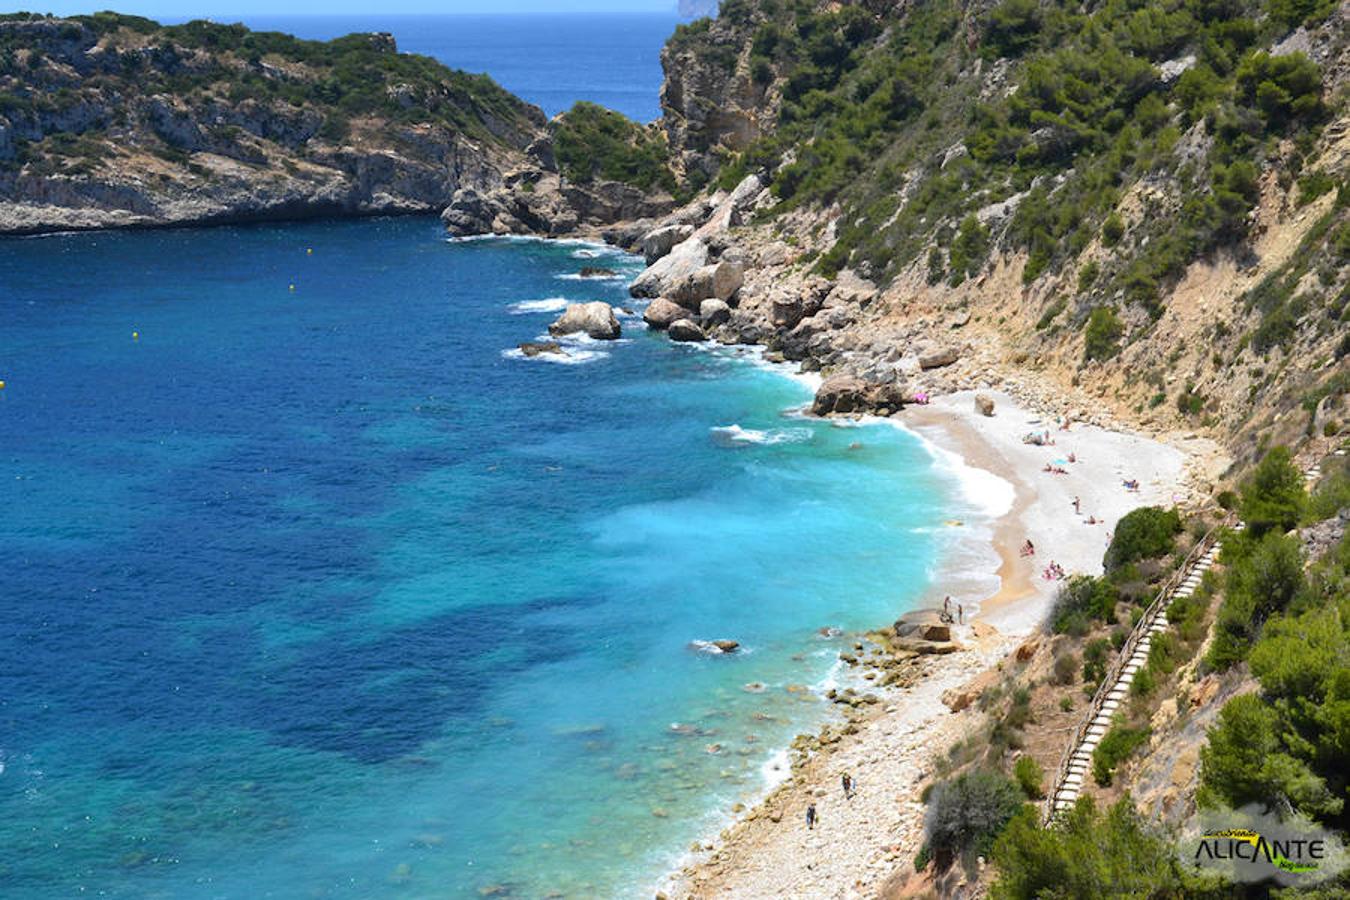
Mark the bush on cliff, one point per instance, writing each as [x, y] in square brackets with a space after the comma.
[1291, 743]
[1089, 853]
[1273, 497]
[1263, 578]
[592, 143]
[1144, 533]
[966, 813]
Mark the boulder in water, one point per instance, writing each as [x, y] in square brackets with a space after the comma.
[597, 272]
[727, 646]
[534, 348]
[661, 313]
[595, 319]
[686, 330]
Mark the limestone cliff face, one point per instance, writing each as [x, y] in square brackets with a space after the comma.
[711, 101]
[113, 121]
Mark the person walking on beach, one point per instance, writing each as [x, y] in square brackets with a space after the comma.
[847, 781]
[947, 604]
[960, 614]
[811, 817]
[1076, 509]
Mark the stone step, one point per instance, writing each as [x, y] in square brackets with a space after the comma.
[1073, 780]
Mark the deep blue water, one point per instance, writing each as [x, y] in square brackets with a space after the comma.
[613, 59]
[319, 592]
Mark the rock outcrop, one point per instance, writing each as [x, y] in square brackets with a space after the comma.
[118, 150]
[849, 394]
[661, 313]
[686, 330]
[595, 319]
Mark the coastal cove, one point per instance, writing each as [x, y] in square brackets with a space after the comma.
[321, 586]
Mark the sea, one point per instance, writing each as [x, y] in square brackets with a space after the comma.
[315, 585]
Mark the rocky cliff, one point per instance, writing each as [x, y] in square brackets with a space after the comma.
[1139, 214]
[112, 120]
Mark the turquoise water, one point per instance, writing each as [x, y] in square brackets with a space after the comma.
[324, 593]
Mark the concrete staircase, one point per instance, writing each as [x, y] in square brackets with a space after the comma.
[1076, 766]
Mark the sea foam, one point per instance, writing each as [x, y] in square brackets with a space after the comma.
[548, 304]
[735, 434]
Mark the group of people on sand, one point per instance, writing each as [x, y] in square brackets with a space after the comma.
[1038, 438]
[946, 615]
[850, 785]
[1028, 549]
[1054, 572]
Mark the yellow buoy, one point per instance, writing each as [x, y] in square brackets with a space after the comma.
[135, 335]
[309, 251]
[292, 288]
[2, 385]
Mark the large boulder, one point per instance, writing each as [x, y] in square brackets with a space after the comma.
[846, 394]
[720, 280]
[686, 330]
[936, 359]
[660, 278]
[659, 242]
[984, 404]
[595, 319]
[713, 312]
[660, 313]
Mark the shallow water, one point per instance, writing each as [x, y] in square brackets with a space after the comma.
[322, 592]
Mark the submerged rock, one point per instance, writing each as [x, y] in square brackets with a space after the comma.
[597, 272]
[595, 319]
[727, 646]
[534, 348]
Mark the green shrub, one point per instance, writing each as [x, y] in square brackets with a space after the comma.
[966, 813]
[1144, 684]
[1080, 599]
[1115, 747]
[1088, 275]
[1030, 777]
[1066, 669]
[1144, 533]
[592, 142]
[1102, 335]
[1088, 854]
[1262, 580]
[1113, 229]
[1274, 496]
[1094, 660]
[1051, 313]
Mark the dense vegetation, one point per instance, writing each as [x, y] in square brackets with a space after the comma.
[904, 124]
[593, 142]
